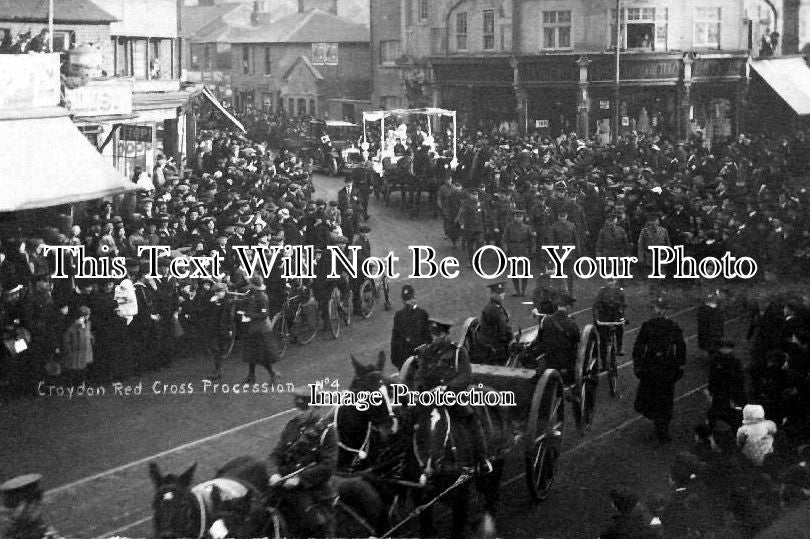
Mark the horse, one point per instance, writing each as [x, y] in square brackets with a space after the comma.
[372, 445]
[234, 498]
[443, 450]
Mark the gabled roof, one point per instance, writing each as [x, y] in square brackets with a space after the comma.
[313, 26]
[303, 60]
[195, 19]
[64, 11]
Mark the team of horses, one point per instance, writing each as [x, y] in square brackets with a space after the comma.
[393, 463]
[412, 178]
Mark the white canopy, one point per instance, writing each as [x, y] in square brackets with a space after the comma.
[381, 115]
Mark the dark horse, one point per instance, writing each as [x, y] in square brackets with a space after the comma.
[443, 451]
[372, 446]
[235, 498]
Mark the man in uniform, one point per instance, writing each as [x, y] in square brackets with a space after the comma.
[612, 239]
[518, 239]
[471, 218]
[659, 360]
[609, 306]
[564, 232]
[22, 496]
[300, 467]
[410, 328]
[494, 331]
[444, 364]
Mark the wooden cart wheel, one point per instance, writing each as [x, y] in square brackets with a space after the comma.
[334, 313]
[385, 291]
[306, 323]
[346, 306]
[367, 298]
[587, 377]
[544, 434]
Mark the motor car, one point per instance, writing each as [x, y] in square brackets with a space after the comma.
[332, 144]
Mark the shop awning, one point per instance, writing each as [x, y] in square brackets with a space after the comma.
[214, 101]
[790, 78]
[49, 162]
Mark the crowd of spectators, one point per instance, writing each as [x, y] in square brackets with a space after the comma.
[23, 43]
[237, 193]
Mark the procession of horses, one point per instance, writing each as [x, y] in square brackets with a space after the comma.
[395, 463]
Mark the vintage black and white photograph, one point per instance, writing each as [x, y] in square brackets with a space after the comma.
[404, 269]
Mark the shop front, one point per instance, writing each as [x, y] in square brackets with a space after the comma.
[480, 89]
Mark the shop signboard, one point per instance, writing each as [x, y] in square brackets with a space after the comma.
[29, 81]
[100, 98]
[541, 123]
[604, 105]
[137, 133]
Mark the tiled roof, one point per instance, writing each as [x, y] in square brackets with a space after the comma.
[313, 26]
[197, 18]
[68, 11]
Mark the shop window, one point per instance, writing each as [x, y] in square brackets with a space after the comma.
[313, 111]
[423, 10]
[302, 106]
[207, 57]
[291, 106]
[640, 29]
[389, 52]
[245, 60]
[556, 29]
[707, 27]
[489, 29]
[461, 31]
[325, 53]
[268, 62]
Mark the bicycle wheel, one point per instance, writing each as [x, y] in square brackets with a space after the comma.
[278, 325]
[305, 327]
[334, 313]
[367, 298]
[612, 367]
[385, 291]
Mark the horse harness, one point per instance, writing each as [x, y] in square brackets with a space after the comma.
[231, 489]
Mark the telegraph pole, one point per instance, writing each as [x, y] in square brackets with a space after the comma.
[50, 26]
[617, 82]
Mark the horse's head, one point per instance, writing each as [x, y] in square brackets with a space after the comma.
[372, 379]
[431, 440]
[176, 509]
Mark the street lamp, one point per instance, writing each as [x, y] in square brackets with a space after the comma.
[617, 81]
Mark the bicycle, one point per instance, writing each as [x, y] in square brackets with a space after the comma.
[608, 361]
[297, 320]
[340, 306]
[369, 294]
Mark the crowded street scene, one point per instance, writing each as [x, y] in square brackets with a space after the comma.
[377, 269]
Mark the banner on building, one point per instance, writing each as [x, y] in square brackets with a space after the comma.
[29, 81]
[101, 98]
[137, 133]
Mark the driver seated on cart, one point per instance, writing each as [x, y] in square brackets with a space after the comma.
[609, 306]
[559, 337]
[300, 468]
[494, 332]
[443, 364]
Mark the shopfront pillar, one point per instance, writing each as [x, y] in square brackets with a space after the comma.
[583, 100]
[686, 96]
[740, 99]
[521, 106]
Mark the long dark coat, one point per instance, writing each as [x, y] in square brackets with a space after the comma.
[410, 330]
[659, 356]
[262, 346]
[710, 327]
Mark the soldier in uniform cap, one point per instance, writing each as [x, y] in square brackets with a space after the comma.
[564, 232]
[445, 364]
[223, 323]
[518, 238]
[609, 306]
[659, 360]
[471, 219]
[410, 328]
[22, 495]
[301, 466]
[494, 331]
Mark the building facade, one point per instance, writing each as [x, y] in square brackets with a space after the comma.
[312, 62]
[551, 64]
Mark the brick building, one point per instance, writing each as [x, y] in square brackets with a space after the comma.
[76, 22]
[550, 64]
[310, 62]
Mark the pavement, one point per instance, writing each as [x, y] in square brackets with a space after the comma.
[94, 450]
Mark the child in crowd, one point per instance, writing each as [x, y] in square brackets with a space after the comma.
[755, 436]
[77, 346]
